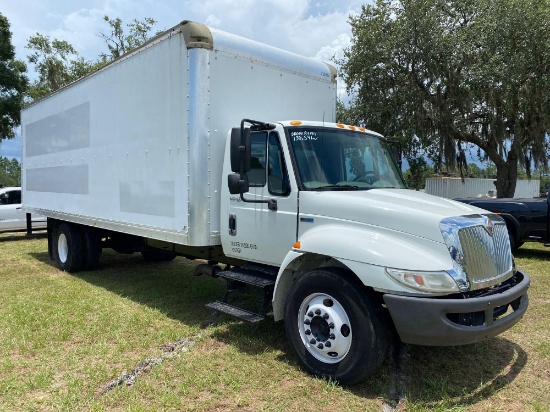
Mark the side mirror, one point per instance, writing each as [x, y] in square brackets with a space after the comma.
[235, 183]
[240, 150]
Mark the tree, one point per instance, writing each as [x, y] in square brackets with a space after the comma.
[118, 42]
[13, 83]
[443, 75]
[419, 171]
[10, 172]
[474, 171]
[58, 63]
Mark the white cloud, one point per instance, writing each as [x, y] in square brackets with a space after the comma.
[82, 28]
[288, 24]
[334, 50]
[213, 21]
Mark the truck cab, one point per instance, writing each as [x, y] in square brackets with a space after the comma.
[327, 206]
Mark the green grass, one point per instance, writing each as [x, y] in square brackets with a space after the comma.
[66, 337]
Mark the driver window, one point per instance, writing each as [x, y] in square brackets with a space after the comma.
[14, 197]
[277, 178]
[10, 198]
[258, 148]
[267, 164]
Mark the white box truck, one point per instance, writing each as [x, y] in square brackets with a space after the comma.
[154, 154]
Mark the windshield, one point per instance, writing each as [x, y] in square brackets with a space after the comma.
[332, 159]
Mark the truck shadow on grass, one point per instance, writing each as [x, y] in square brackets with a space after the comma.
[537, 254]
[446, 377]
[428, 377]
[18, 236]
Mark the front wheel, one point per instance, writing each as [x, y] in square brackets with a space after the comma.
[334, 328]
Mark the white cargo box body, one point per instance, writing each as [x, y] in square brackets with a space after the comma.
[138, 146]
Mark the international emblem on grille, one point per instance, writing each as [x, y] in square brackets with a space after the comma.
[489, 228]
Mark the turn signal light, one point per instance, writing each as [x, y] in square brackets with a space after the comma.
[297, 245]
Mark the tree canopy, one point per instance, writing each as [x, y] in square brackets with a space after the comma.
[120, 42]
[58, 63]
[446, 75]
[13, 83]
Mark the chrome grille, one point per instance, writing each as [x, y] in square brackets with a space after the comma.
[486, 257]
[480, 249]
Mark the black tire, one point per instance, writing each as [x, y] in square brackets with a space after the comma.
[361, 346]
[68, 247]
[156, 255]
[92, 248]
[513, 245]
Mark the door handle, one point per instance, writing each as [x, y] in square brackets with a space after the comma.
[232, 225]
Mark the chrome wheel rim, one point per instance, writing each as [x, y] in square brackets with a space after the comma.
[325, 328]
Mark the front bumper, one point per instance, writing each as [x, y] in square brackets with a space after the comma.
[449, 322]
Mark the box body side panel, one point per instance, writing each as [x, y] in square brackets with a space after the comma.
[113, 147]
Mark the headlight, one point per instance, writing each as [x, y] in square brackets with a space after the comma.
[424, 281]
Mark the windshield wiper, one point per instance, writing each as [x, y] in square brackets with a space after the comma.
[336, 187]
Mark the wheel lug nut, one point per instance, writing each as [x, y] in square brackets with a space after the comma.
[310, 314]
[318, 312]
[325, 316]
[320, 346]
[312, 341]
[331, 325]
[332, 336]
[307, 321]
[328, 344]
[307, 332]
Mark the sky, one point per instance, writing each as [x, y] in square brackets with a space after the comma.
[311, 28]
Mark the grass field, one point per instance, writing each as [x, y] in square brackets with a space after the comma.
[128, 337]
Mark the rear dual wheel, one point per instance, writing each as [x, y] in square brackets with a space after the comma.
[335, 329]
[76, 247]
[68, 247]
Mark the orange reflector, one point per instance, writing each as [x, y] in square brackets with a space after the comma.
[362, 129]
[341, 126]
[297, 245]
[295, 123]
[351, 127]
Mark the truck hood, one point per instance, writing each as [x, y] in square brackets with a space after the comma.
[403, 210]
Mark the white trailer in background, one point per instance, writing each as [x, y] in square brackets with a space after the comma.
[154, 154]
[454, 187]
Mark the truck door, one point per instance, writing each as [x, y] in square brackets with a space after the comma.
[256, 232]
